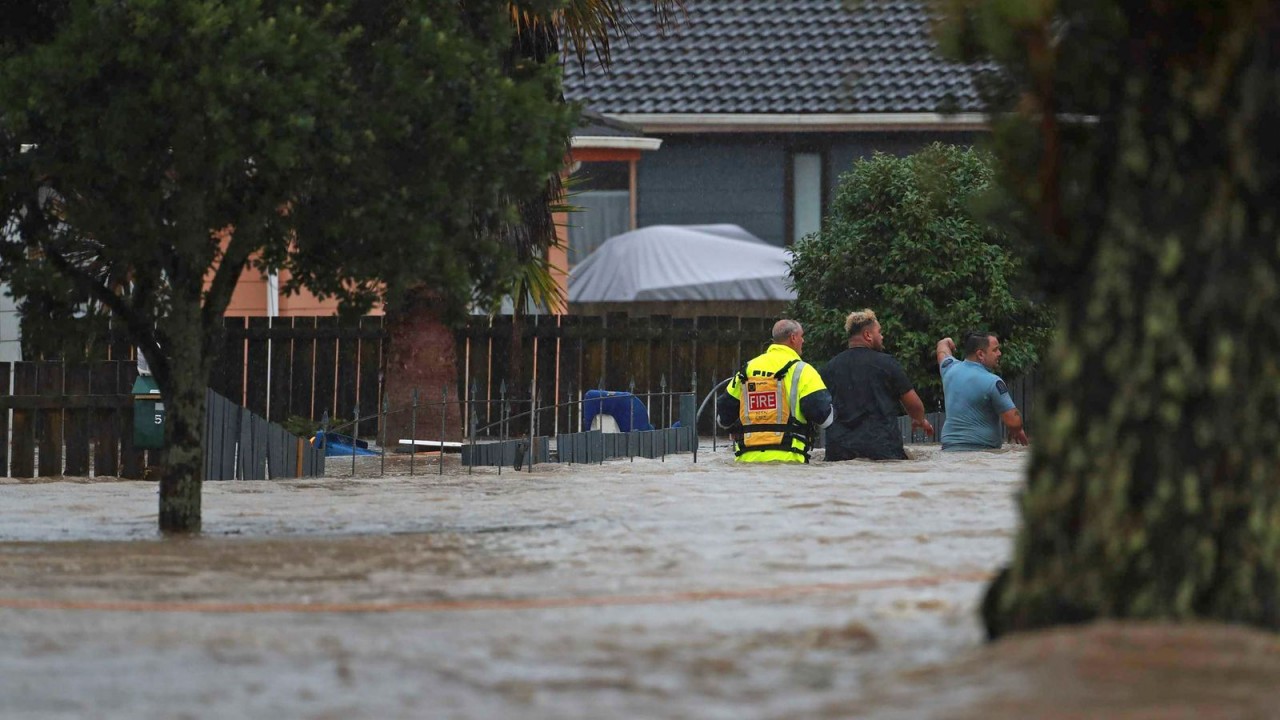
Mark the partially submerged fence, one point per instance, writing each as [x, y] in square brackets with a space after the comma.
[313, 366]
[241, 445]
[564, 355]
[76, 419]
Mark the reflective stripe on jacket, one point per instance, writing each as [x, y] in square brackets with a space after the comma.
[791, 431]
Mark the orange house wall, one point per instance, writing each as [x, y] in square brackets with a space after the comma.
[249, 298]
[250, 295]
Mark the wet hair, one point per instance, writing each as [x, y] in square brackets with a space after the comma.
[976, 340]
[858, 321]
[784, 329]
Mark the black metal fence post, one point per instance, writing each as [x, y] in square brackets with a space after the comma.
[444, 406]
[662, 383]
[502, 423]
[715, 417]
[693, 431]
[472, 423]
[386, 405]
[413, 431]
[355, 437]
[568, 428]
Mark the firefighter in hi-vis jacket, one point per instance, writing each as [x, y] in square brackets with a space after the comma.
[775, 405]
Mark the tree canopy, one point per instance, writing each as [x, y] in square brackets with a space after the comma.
[902, 238]
[153, 149]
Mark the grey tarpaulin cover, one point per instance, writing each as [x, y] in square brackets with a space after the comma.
[682, 262]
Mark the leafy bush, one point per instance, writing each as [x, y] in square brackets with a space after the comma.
[902, 239]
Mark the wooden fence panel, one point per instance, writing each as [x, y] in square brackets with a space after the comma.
[326, 370]
[545, 332]
[217, 448]
[118, 346]
[49, 383]
[595, 348]
[229, 432]
[707, 348]
[278, 448]
[754, 337]
[1023, 391]
[104, 379]
[370, 374]
[5, 369]
[77, 421]
[500, 369]
[729, 355]
[245, 465]
[257, 364]
[23, 454]
[475, 375]
[302, 362]
[658, 345]
[280, 380]
[132, 460]
[569, 363]
[228, 372]
[616, 369]
[346, 390]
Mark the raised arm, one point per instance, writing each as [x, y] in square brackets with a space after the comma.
[946, 348]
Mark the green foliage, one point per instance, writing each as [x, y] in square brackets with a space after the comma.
[360, 148]
[901, 238]
[360, 151]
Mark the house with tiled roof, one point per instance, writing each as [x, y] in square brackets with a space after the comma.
[761, 105]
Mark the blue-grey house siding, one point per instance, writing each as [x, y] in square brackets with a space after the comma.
[704, 179]
[741, 178]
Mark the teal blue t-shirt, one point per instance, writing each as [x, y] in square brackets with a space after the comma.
[975, 398]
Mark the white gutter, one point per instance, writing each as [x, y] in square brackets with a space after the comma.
[273, 295]
[800, 122]
[614, 142]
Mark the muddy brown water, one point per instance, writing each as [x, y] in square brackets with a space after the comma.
[629, 589]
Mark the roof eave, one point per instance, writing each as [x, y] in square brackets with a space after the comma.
[614, 142]
[802, 122]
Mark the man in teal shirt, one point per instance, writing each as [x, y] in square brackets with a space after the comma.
[977, 400]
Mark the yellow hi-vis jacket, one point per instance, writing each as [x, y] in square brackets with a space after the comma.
[799, 381]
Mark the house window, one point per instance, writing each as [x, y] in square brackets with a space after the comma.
[806, 194]
[601, 193]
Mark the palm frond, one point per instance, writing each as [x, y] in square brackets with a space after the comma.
[590, 26]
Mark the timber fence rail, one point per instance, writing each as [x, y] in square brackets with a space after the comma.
[309, 367]
[76, 419]
[73, 419]
[316, 367]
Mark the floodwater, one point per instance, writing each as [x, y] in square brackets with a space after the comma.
[644, 588]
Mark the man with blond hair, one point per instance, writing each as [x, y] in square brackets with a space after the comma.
[773, 405]
[869, 390]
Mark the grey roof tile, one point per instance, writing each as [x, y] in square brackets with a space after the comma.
[778, 56]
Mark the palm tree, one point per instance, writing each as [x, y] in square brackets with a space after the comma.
[588, 28]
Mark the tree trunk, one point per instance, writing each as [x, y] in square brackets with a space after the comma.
[183, 381]
[422, 355]
[1153, 489]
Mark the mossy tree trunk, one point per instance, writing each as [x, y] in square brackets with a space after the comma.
[1154, 485]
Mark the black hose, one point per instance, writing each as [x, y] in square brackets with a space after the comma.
[707, 399]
